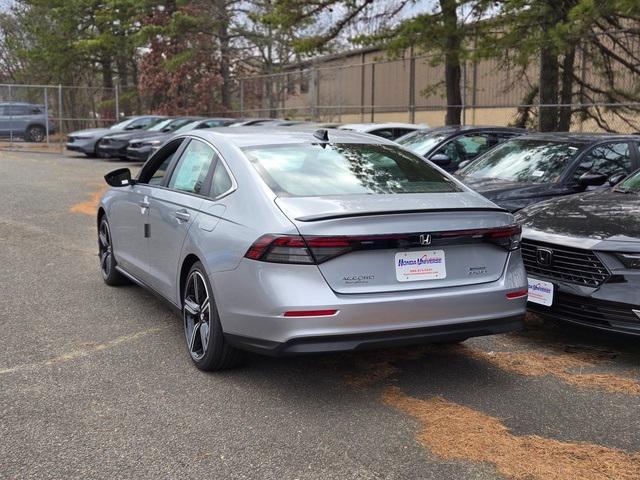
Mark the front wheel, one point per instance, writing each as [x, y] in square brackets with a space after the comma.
[110, 275]
[35, 133]
[202, 329]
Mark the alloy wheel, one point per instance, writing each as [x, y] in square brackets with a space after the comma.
[197, 315]
[106, 252]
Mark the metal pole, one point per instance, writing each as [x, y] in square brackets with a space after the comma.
[117, 92]
[46, 114]
[373, 91]
[362, 86]
[412, 87]
[241, 97]
[464, 92]
[10, 116]
[60, 116]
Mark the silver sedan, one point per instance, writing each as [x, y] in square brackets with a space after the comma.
[286, 241]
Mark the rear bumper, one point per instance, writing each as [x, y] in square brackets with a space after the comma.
[365, 341]
[252, 299]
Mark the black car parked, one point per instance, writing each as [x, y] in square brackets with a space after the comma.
[139, 149]
[582, 255]
[115, 144]
[535, 167]
[452, 147]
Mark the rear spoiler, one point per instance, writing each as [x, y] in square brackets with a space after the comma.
[333, 216]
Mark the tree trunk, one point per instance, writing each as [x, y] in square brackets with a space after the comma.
[548, 89]
[566, 94]
[452, 71]
[107, 87]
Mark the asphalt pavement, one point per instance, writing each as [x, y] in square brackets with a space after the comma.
[96, 382]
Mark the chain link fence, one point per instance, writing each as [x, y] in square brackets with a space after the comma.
[412, 90]
[38, 117]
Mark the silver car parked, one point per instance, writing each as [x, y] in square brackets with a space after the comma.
[285, 241]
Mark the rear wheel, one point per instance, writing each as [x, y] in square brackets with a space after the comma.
[107, 261]
[35, 133]
[202, 329]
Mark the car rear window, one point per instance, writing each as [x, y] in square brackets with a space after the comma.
[301, 170]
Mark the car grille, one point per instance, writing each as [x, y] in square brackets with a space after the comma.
[589, 310]
[573, 265]
[135, 145]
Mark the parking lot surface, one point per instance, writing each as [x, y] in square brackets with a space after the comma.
[96, 382]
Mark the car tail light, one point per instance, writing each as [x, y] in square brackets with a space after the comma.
[310, 313]
[280, 249]
[517, 294]
[311, 250]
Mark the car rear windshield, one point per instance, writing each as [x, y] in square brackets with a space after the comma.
[423, 141]
[524, 160]
[301, 170]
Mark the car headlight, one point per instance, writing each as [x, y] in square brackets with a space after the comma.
[629, 260]
[154, 142]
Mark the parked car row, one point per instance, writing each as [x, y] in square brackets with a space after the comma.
[137, 138]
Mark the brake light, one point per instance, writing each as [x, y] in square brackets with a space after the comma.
[311, 250]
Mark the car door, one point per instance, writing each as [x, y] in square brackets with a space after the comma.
[129, 214]
[608, 159]
[173, 211]
[4, 120]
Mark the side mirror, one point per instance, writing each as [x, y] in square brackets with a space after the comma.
[592, 179]
[119, 178]
[616, 178]
[440, 159]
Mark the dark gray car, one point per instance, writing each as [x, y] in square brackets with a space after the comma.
[25, 120]
[582, 255]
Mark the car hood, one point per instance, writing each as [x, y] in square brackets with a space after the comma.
[318, 208]
[91, 132]
[603, 215]
[148, 138]
[130, 135]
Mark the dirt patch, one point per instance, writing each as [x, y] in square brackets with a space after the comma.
[455, 432]
[89, 207]
[568, 366]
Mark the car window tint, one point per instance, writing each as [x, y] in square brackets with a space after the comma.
[221, 182]
[607, 159]
[18, 110]
[193, 166]
[158, 175]
[383, 132]
[345, 169]
[465, 147]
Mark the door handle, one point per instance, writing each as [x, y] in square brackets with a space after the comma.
[145, 204]
[182, 215]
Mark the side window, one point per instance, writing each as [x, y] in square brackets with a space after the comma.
[608, 159]
[155, 170]
[221, 181]
[384, 133]
[466, 147]
[18, 110]
[192, 168]
[400, 132]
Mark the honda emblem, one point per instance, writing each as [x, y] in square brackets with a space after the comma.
[425, 239]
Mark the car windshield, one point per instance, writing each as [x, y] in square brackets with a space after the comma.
[524, 160]
[631, 184]
[189, 126]
[345, 169]
[121, 125]
[161, 125]
[422, 141]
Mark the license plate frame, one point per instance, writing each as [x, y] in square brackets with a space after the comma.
[422, 265]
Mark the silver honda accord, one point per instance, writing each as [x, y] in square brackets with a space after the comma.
[286, 241]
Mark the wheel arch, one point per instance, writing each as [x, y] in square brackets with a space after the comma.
[187, 263]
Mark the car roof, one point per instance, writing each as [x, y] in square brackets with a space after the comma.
[585, 138]
[363, 127]
[473, 128]
[255, 136]
[22, 104]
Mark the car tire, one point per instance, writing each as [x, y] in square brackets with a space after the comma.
[108, 263]
[206, 344]
[35, 133]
